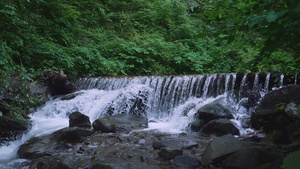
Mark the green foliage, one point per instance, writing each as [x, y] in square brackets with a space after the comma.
[16, 115]
[137, 37]
[270, 26]
[14, 84]
[291, 161]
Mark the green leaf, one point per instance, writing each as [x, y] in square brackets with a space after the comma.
[291, 161]
[272, 16]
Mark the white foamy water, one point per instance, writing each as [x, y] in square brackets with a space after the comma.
[54, 115]
[180, 118]
[170, 102]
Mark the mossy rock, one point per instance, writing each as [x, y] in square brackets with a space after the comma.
[213, 111]
[276, 136]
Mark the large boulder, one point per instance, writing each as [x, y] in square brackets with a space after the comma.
[185, 161]
[273, 101]
[278, 109]
[220, 127]
[219, 148]
[11, 128]
[252, 157]
[49, 163]
[104, 126]
[101, 166]
[121, 122]
[57, 83]
[4, 109]
[207, 115]
[77, 119]
[214, 110]
[168, 153]
[49, 144]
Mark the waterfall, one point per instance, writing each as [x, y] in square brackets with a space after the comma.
[170, 101]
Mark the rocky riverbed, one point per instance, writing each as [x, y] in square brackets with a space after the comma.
[125, 141]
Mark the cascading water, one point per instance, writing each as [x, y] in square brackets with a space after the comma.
[170, 101]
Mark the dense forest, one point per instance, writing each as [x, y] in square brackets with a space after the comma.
[145, 37]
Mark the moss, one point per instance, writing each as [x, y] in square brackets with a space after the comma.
[276, 136]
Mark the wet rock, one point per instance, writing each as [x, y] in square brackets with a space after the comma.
[126, 122]
[274, 110]
[238, 81]
[139, 106]
[168, 154]
[36, 88]
[293, 132]
[292, 109]
[130, 103]
[70, 96]
[49, 144]
[11, 128]
[212, 111]
[71, 134]
[4, 104]
[276, 136]
[185, 161]
[220, 127]
[274, 98]
[49, 163]
[158, 145]
[57, 83]
[101, 166]
[77, 119]
[104, 125]
[197, 125]
[219, 148]
[180, 142]
[250, 158]
[187, 109]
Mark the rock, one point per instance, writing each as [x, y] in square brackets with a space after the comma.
[57, 83]
[72, 134]
[70, 96]
[101, 166]
[77, 119]
[104, 125]
[219, 148]
[274, 98]
[176, 143]
[187, 109]
[212, 111]
[11, 128]
[36, 88]
[276, 109]
[168, 154]
[185, 161]
[293, 132]
[197, 125]
[48, 144]
[292, 109]
[132, 103]
[4, 108]
[139, 106]
[277, 136]
[48, 163]
[250, 158]
[7, 123]
[220, 127]
[158, 145]
[125, 122]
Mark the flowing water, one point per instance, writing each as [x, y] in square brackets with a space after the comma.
[170, 101]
